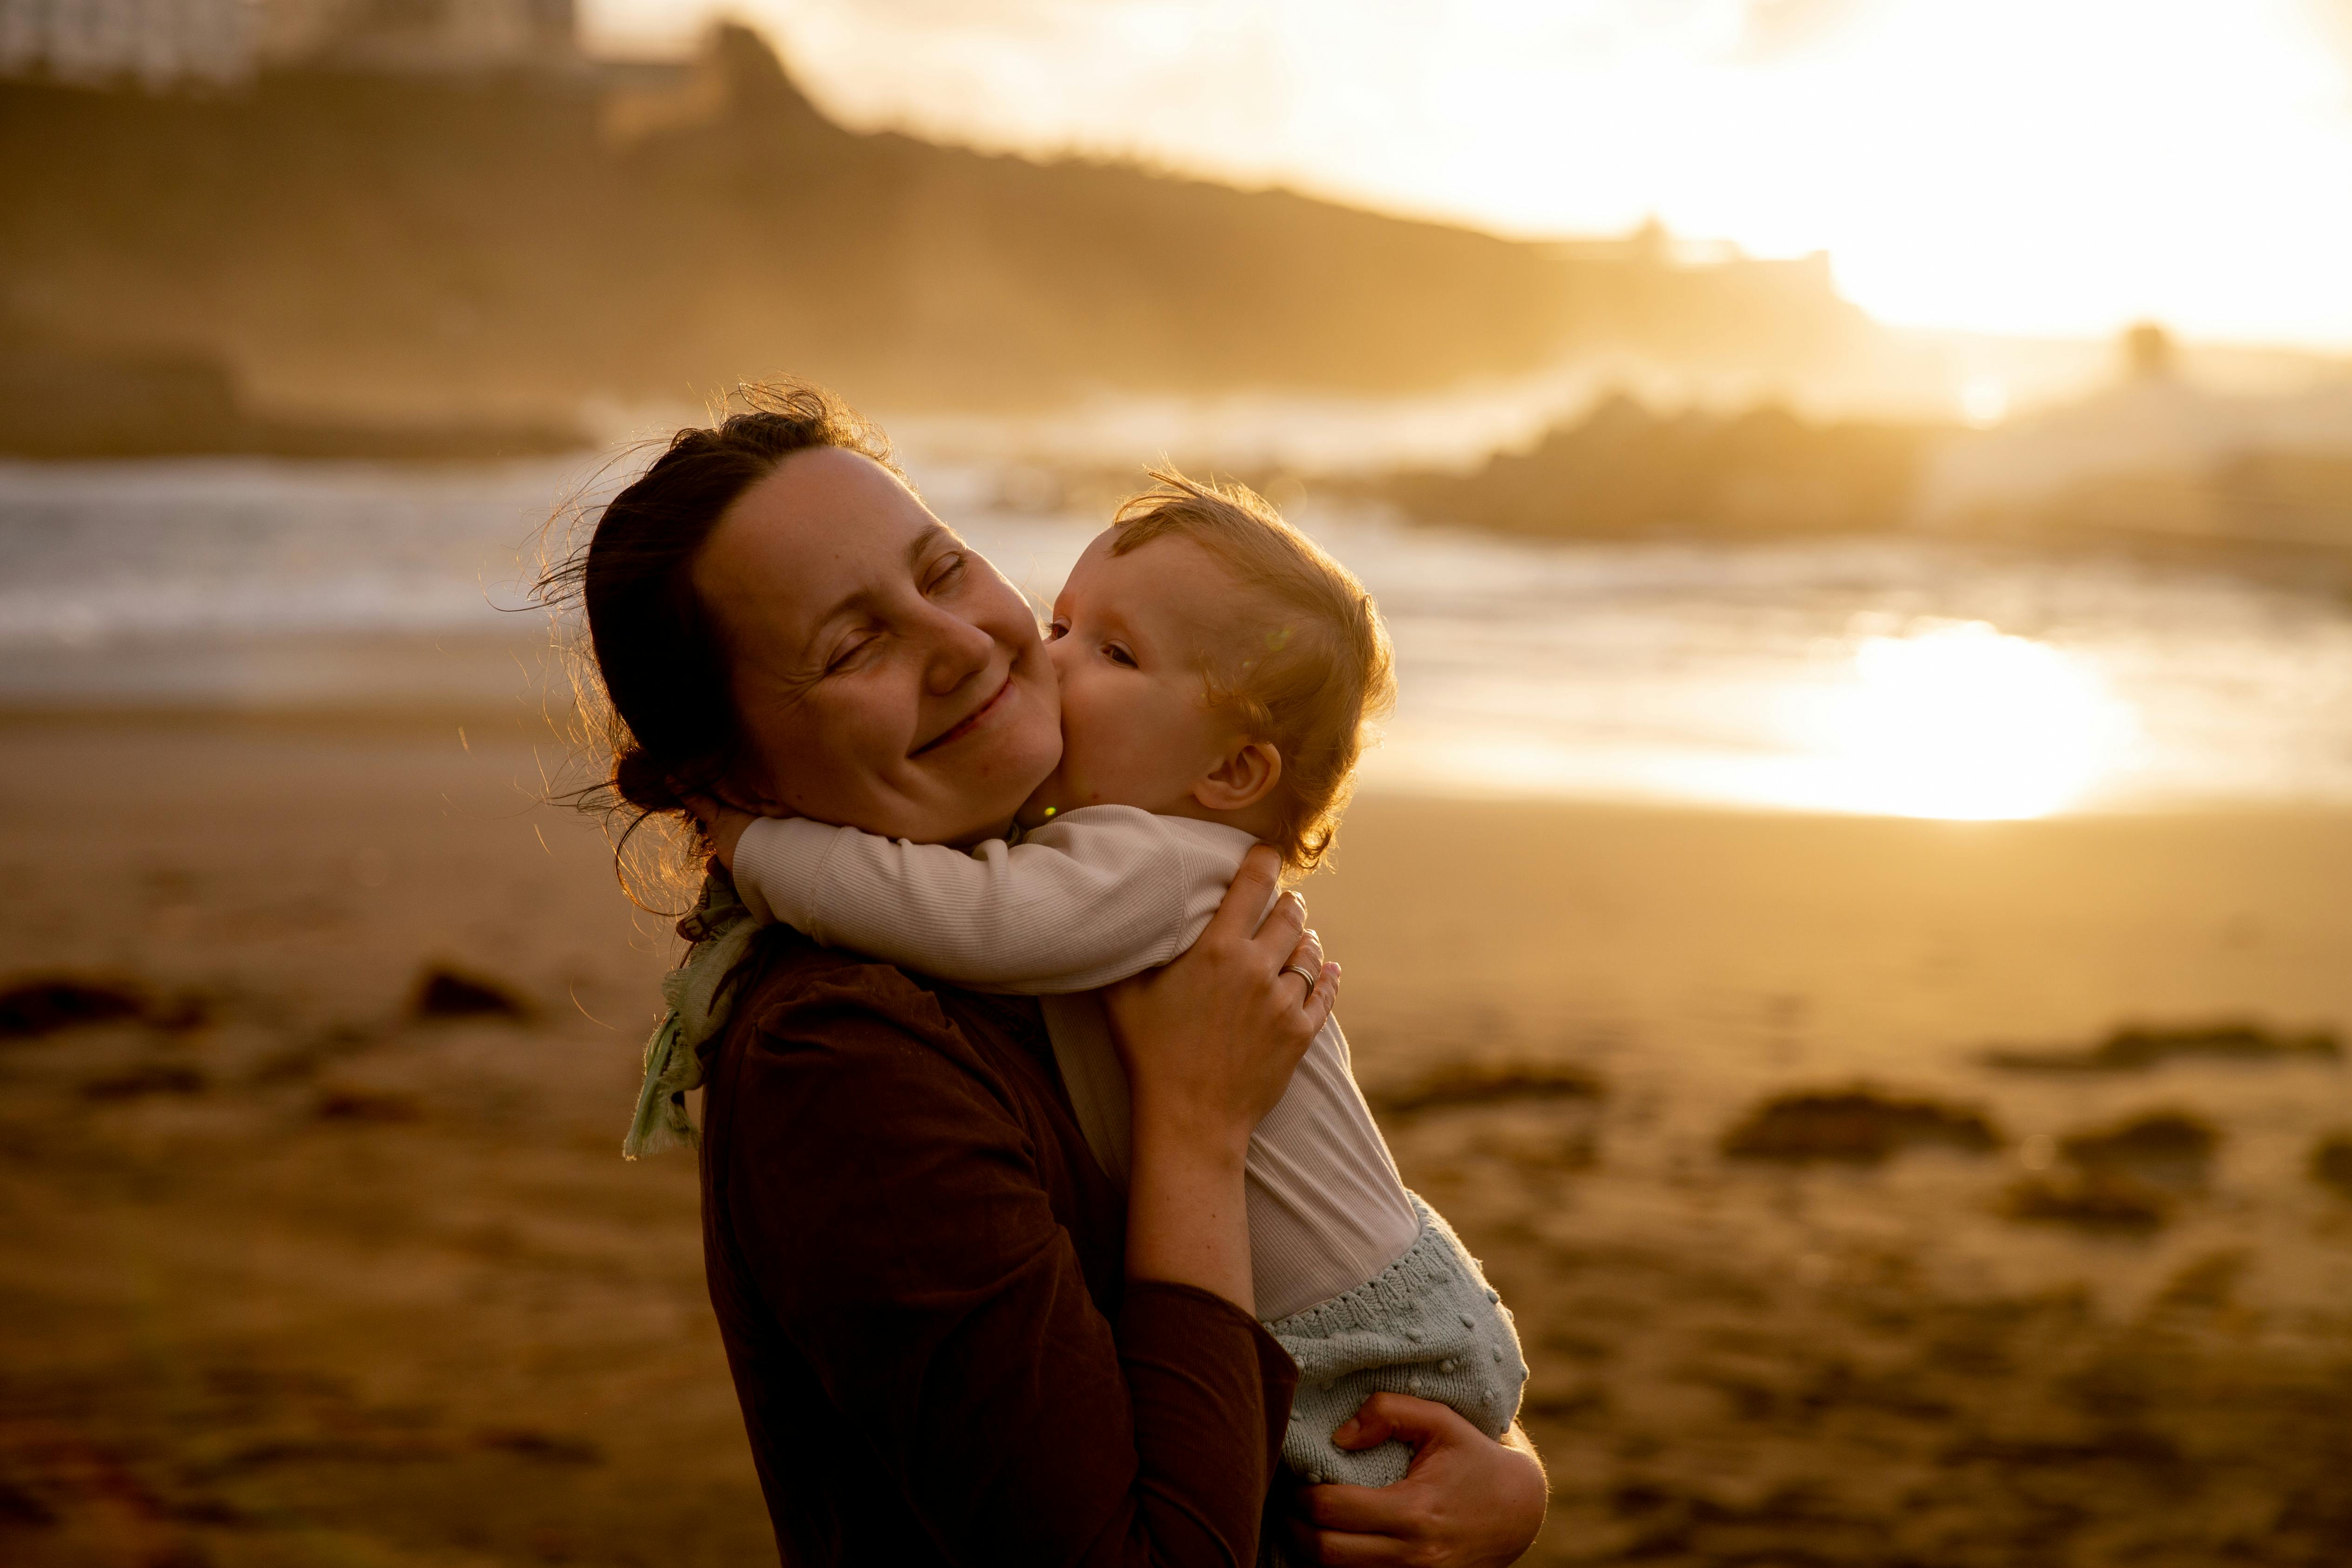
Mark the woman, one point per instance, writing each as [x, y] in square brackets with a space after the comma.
[953, 1339]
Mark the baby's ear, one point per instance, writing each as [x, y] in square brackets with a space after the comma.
[1245, 777]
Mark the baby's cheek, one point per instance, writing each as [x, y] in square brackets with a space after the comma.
[1102, 755]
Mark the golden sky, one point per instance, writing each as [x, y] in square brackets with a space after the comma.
[2036, 167]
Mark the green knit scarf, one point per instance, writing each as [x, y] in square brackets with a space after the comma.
[699, 999]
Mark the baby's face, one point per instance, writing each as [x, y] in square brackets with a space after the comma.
[1128, 636]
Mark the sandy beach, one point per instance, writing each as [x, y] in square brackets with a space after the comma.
[301, 1271]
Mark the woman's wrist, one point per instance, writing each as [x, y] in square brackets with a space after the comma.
[1203, 1143]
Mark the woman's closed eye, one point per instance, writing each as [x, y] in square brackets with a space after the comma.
[946, 573]
[852, 652]
[942, 577]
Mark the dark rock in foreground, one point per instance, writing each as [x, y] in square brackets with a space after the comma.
[2127, 1179]
[145, 1080]
[32, 1008]
[2168, 1148]
[2331, 1163]
[1857, 1126]
[368, 1105]
[446, 993]
[2135, 1047]
[2106, 1200]
[1460, 1083]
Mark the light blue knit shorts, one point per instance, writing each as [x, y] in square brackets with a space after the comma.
[1428, 1325]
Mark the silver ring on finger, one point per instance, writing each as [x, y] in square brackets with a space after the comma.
[1303, 972]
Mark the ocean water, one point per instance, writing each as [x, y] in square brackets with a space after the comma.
[1907, 675]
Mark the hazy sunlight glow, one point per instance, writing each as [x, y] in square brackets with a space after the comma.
[2013, 165]
[1967, 723]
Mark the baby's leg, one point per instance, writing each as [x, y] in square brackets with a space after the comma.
[1427, 1325]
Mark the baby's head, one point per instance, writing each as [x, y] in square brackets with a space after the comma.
[1214, 663]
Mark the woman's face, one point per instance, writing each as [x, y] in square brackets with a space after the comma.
[887, 678]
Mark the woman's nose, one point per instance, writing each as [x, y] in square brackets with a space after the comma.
[959, 650]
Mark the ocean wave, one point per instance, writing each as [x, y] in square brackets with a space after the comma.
[1883, 673]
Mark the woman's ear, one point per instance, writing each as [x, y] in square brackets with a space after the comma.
[1245, 777]
[744, 787]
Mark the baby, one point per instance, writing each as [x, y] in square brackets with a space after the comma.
[1216, 669]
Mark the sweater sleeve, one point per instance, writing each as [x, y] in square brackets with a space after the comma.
[1094, 895]
[892, 1213]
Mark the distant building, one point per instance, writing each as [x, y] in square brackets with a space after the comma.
[1654, 245]
[155, 42]
[427, 35]
[2149, 354]
[160, 43]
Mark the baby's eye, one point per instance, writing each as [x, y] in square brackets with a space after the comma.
[1119, 655]
[1057, 631]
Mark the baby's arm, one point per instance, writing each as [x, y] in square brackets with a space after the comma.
[1094, 895]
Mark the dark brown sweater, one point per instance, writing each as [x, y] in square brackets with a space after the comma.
[917, 1268]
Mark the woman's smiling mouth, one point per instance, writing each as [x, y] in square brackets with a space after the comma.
[970, 722]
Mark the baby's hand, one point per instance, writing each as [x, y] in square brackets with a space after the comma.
[722, 826]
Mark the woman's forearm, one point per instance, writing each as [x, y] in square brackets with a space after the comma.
[1187, 1221]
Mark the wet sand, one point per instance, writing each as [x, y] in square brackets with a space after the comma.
[296, 1273]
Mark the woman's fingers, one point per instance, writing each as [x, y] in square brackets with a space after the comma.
[1308, 957]
[1402, 1416]
[1323, 998]
[1238, 914]
[1284, 924]
[1465, 1499]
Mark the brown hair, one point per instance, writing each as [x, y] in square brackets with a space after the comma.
[1319, 669]
[658, 698]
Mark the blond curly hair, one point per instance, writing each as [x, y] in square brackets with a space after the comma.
[1317, 672]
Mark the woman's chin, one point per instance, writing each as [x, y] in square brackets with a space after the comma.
[1029, 747]
[1040, 807]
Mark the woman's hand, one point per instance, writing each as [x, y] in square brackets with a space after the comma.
[1210, 1042]
[1468, 1502]
[722, 826]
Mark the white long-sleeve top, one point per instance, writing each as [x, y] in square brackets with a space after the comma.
[1094, 895]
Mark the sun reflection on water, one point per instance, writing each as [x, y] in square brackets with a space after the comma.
[1966, 723]
[1937, 719]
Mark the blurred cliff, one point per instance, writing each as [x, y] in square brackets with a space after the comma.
[376, 216]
